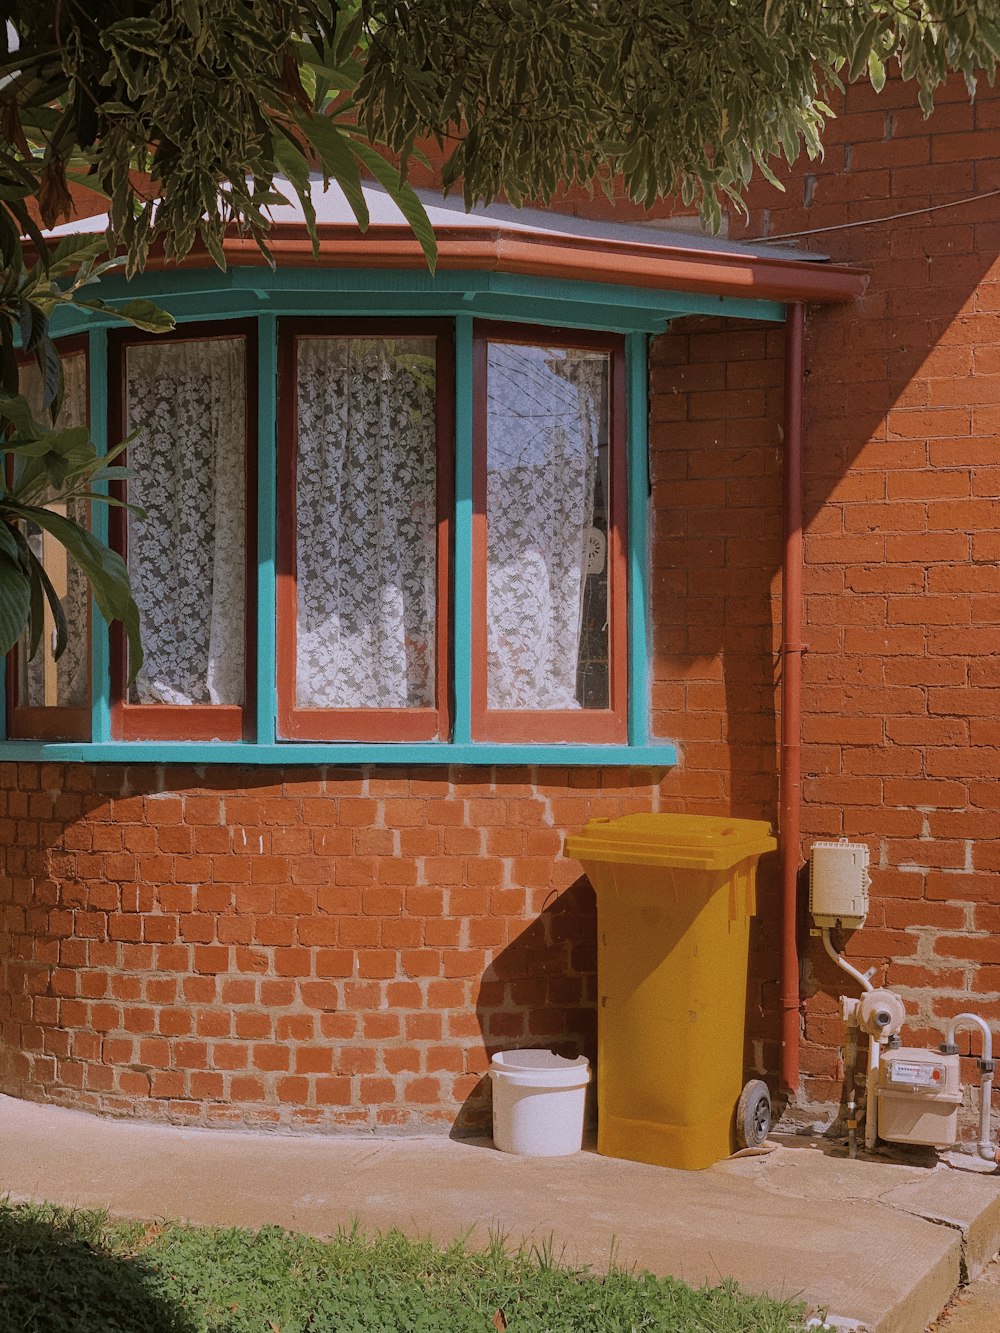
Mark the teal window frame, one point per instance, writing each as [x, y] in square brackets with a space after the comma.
[268, 295]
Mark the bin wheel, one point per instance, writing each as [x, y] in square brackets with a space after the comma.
[753, 1115]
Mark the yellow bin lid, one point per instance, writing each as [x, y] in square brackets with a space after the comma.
[691, 842]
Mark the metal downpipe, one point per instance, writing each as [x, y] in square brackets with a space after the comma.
[790, 780]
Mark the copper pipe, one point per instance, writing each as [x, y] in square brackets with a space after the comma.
[789, 829]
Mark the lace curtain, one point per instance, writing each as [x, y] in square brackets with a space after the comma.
[366, 500]
[186, 558]
[543, 437]
[42, 681]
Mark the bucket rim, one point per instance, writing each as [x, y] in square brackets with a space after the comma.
[537, 1060]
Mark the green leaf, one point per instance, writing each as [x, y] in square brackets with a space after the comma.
[105, 570]
[142, 35]
[141, 314]
[402, 195]
[29, 227]
[70, 253]
[332, 146]
[192, 15]
[990, 32]
[40, 579]
[50, 368]
[110, 501]
[862, 48]
[32, 325]
[876, 71]
[74, 440]
[16, 409]
[15, 601]
[8, 544]
[36, 604]
[56, 469]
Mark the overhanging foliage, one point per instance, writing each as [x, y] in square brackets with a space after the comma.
[186, 115]
[667, 97]
[217, 99]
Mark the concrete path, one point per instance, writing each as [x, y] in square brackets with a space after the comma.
[975, 1308]
[877, 1244]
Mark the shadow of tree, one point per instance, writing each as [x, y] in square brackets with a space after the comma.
[57, 1276]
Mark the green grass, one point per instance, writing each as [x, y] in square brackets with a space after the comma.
[79, 1272]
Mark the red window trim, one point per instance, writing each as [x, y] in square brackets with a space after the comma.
[597, 726]
[191, 722]
[52, 722]
[361, 724]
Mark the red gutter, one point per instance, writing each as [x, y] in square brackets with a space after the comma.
[659, 268]
[790, 820]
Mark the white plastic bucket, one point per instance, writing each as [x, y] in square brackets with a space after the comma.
[538, 1102]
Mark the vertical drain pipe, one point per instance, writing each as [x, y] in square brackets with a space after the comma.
[790, 780]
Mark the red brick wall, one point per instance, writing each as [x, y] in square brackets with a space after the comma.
[715, 463]
[299, 948]
[902, 681]
[902, 550]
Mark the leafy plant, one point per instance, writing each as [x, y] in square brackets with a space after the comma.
[44, 467]
[185, 113]
[688, 98]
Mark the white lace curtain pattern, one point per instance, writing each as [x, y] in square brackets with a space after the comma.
[366, 515]
[543, 437]
[72, 670]
[186, 558]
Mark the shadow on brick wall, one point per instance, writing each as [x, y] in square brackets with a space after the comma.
[541, 990]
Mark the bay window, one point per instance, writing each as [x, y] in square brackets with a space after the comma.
[439, 546]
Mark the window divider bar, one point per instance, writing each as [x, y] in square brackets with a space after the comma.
[462, 667]
[267, 462]
[638, 522]
[100, 649]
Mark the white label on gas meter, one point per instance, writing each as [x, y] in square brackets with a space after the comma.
[915, 1075]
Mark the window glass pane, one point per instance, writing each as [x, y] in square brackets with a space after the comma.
[547, 527]
[366, 515]
[42, 680]
[186, 558]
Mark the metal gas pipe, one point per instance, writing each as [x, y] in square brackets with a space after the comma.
[986, 1148]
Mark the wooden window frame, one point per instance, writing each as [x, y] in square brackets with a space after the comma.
[53, 722]
[584, 725]
[191, 722]
[362, 724]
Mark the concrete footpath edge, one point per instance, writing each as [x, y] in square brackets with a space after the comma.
[878, 1244]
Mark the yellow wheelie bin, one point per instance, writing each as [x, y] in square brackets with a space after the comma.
[675, 894]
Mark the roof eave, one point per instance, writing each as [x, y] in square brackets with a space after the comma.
[658, 267]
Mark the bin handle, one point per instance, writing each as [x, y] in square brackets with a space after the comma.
[745, 877]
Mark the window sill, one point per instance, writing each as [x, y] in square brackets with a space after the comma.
[655, 754]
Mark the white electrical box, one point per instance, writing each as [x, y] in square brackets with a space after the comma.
[838, 883]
